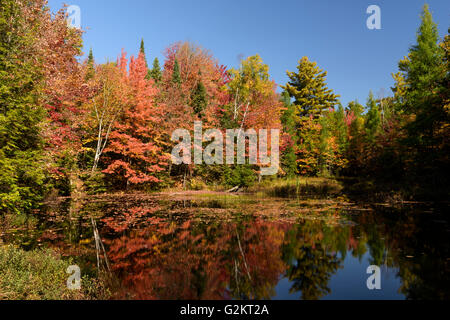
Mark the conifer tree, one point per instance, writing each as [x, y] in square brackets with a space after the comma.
[90, 65]
[309, 89]
[423, 71]
[199, 100]
[288, 157]
[176, 77]
[156, 73]
[373, 119]
[311, 99]
[21, 159]
[142, 50]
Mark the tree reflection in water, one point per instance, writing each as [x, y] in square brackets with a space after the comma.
[222, 250]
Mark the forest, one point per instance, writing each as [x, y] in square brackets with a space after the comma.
[88, 180]
[71, 126]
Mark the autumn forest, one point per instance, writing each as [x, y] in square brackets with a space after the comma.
[73, 128]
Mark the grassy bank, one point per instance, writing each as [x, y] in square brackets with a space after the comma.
[41, 275]
[301, 186]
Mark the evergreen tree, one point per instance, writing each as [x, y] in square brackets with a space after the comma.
[90, 66]
[311, 99]
[423, 71]
[287, 119]
[21, 162]
[156, 73]
[309, 89]
[373, 119]
[142, 50]
[176, 77]
[199, 100]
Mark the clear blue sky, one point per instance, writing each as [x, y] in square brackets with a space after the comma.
[333, 33]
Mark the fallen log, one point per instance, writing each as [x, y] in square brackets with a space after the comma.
[234, 189]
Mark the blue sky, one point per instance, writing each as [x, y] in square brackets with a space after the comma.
[332, 33]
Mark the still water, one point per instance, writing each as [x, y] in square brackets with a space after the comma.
[176, 246]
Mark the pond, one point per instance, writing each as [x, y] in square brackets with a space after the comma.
[218, 246]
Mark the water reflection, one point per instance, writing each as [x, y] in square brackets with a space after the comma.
[235, 248]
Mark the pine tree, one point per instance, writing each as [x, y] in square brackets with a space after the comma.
[309, 89]
[156, 73]
[176, 77]
[311, 99]
[373, 119]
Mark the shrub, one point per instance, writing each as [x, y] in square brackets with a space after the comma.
[39, 275]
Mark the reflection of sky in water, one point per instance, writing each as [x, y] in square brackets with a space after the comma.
[199, 249]
[349, 283]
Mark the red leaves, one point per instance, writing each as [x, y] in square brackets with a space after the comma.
[133, 152]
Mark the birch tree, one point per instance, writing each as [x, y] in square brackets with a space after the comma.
[106, 105]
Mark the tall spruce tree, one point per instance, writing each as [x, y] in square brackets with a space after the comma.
[21, 162]
[423, 71]
[199, 100]
[176, 77]
[156, 73]
[142, 50]
[90, 65]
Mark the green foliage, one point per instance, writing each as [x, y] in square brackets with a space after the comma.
[294, 187]
[142, 50]
[423, 71]
[22, 176]
[288, 157]
[155, 72]
[199, 99]
[32, 275]
[311, 99]
[340, 129]
[239, 175]
[41, 275]
[309, 89]
[176, 76]
[425, 100]
[197, 184]
[90, 64]
[373, 119]
[94, 183]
